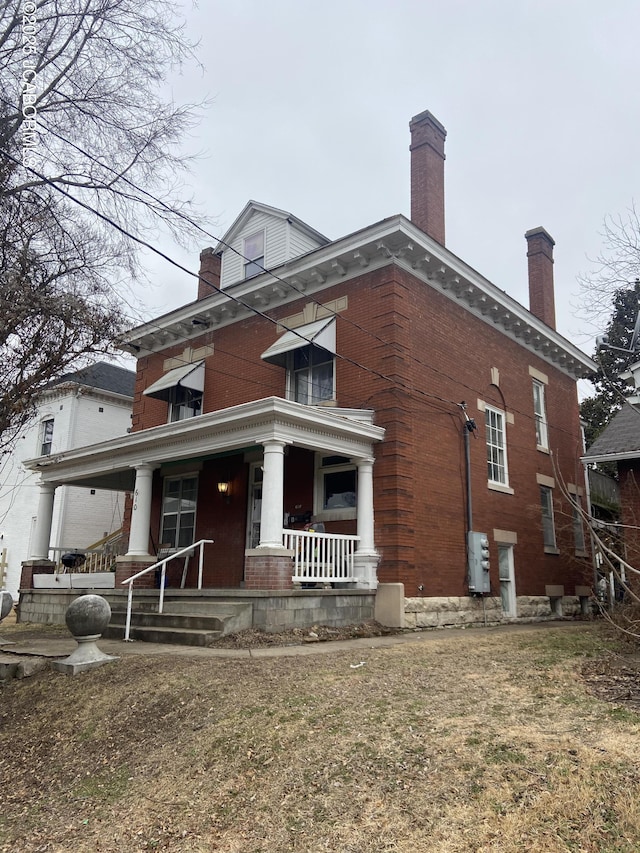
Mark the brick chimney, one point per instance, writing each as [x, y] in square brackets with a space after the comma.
[210, 264]
[540, 256]
[427, 174]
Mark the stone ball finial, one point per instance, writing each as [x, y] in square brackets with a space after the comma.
[6, 603]
[88, 616]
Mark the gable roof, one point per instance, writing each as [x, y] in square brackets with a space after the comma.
[252, 207]
[102, 376]
[620, 439]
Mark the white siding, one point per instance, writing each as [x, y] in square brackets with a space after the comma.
[283, 241]
[79, 518]
[300, 242]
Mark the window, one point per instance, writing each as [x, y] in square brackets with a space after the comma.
[496, 446]
[578, 529]
[47, 437]
[507, 580]
[184, 403]
[254, 254]
[335, 487]
[540, 415]
[179, 512]
[548, 524]
[311, 375]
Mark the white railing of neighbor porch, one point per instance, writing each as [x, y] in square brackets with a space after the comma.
[321, 557]
[162, 565]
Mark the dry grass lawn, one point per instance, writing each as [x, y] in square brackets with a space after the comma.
[463, 742]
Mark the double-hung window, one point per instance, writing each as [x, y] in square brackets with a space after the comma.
[495, 423]
[548, 523]
[179, 512]
[540, 415]
[47, 437]
[336, 479]
[184, 403]
[311, 375]
[254, 254]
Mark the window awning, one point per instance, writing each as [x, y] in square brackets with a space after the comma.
[187, 376]
[320, 333]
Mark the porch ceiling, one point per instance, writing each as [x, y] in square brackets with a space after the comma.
[111, 464]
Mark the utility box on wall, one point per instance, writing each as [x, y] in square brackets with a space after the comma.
[478, 563]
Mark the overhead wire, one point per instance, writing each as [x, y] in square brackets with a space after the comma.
[289, 284]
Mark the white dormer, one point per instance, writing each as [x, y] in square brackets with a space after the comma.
[263, 236]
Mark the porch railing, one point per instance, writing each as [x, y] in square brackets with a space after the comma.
[162, 565]
[321, 557]
[99, 557]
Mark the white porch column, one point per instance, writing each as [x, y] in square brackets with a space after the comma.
[365, 506]
[44, 518]
[272, 510]
[141, 513]
[366, 557]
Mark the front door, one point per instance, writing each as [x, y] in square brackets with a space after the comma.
[255, 505]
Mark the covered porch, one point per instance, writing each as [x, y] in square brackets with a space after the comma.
[250, 478]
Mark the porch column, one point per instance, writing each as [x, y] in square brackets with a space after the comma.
[365, 506]
[272, 511]
[44, 518]
[141, 513]
[366, 557]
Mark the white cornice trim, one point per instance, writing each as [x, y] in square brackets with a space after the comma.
[395, 240]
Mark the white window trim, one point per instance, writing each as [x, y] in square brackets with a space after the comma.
[540, 418]
[42, 433]
[187, 475]
[246, 260]
[320, 514]
[549, 549]
[498, 485]
[291, 389]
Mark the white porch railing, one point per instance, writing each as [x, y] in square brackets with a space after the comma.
[163, 573]
[321, 557]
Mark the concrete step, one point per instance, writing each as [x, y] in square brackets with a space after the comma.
[157, 634]
[147, 619]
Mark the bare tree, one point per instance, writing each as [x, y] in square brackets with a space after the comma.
[85, 119]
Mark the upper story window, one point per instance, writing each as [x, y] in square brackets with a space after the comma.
[540, 415]
[184, 403]
[253, 252]
[47, 437]
[182, 388]
[311, 375]
[496, 437]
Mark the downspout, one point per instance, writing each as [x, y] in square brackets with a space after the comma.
[468, 427]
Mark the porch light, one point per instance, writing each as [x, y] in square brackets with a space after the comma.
[224, 487]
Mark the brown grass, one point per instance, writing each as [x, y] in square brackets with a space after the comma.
[467, 742]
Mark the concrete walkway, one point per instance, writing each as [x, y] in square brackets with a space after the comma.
[54, 647]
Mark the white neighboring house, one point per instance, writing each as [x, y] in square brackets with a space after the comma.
[80, 408]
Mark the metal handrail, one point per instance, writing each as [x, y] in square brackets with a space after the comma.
[201, 543]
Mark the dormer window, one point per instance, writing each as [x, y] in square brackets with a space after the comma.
[254, 254]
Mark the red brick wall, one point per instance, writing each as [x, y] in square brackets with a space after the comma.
[438, 355]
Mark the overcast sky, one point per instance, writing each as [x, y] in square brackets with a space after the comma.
[311, 104]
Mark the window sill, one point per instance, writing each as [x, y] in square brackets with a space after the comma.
[549, 550]
[543, 449]
[345, 514]
[498, 487]
[581, 553]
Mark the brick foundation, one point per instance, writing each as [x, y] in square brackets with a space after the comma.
[34, 567]
[126, 568]
[268, 568]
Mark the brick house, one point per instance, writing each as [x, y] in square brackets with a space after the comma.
[376, 386]
[619, 443]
